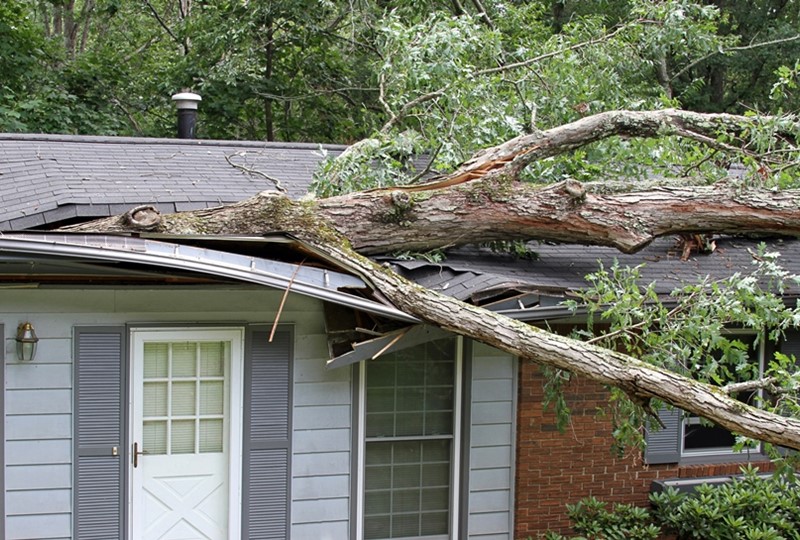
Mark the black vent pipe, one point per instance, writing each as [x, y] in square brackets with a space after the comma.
[187, 113]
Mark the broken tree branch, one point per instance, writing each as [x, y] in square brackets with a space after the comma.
[482, 201]
[262, 174]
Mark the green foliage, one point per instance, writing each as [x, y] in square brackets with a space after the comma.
[690, 333]
[372, 162]
[555, 381]
[437, 73]
[748, 508]
[752, 507]
[592, 519]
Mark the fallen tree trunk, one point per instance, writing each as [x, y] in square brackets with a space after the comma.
[482, 201]
[492, 209]
[641, 381]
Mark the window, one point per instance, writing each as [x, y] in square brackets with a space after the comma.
[702, 438]
[410, 442]
[685, 438]
[183, 397]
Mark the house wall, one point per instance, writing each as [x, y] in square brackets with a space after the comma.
[39, 396]
[39, 400]
[555, 468]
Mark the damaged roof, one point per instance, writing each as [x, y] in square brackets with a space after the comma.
[32, 256]
[504, 281]
[52, 179]
[48, 180]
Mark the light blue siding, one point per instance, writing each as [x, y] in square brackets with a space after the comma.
[34, 477]
[41, 527]
[491, 463]
[38, 414]
[336, 530]
[321, 444]
[38, 398]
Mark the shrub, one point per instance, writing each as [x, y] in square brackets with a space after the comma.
[592, 520]
[748, 508]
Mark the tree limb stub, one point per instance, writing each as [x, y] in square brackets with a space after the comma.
[142, 218]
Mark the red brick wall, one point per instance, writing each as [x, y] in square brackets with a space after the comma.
[555, 468]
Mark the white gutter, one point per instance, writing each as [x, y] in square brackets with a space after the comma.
[313, 282]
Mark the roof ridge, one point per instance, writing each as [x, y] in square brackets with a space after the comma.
[110, 139]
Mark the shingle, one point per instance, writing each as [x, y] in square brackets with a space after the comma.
[560, 268]
[131, 171]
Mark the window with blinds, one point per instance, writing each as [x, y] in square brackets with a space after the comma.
[184, 396]
[410, 418]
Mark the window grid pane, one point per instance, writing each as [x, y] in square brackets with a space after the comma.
[407, 482]
[184, 395]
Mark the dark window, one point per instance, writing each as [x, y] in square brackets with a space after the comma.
[702, 437]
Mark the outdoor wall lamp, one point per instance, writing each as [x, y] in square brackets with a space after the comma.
[26, 342]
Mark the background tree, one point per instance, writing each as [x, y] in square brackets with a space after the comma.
[311, 70]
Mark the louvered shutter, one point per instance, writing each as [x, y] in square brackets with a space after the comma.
[99, 407]
[664, 445]
[266, 452]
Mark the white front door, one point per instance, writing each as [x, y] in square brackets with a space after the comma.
[185, 433]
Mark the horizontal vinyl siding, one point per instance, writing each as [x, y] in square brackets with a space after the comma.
[321, 442]
[38, 397]
[39, 440]
[491, 455]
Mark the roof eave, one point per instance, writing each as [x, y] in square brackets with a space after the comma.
[306, 281]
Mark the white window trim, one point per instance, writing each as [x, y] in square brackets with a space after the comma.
[724, 451]
[455, 466]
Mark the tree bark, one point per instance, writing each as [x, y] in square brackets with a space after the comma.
[493, 209]
[482, 201]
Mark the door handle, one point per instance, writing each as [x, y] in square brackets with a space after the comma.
[137, 453]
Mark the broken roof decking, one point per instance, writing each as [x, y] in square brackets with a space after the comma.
[558, 269]
[53, 178]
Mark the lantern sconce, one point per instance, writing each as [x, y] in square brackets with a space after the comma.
[26, 342]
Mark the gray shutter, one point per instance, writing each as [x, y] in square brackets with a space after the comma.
[664, 445]
[99, 408]
[267, 420]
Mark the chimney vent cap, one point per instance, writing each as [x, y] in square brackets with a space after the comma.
[186, 100]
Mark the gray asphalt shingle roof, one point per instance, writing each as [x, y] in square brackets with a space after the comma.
[47, 179]
[51, 178]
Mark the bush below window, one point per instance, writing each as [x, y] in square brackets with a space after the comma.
[747, 508]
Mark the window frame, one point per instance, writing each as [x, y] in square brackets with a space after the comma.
[455, 452]
[704, 455]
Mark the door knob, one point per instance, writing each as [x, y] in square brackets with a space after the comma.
[137, 453]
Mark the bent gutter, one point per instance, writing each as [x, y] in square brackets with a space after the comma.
[311, 282]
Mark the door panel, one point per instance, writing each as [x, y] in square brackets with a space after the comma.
[186, 428]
